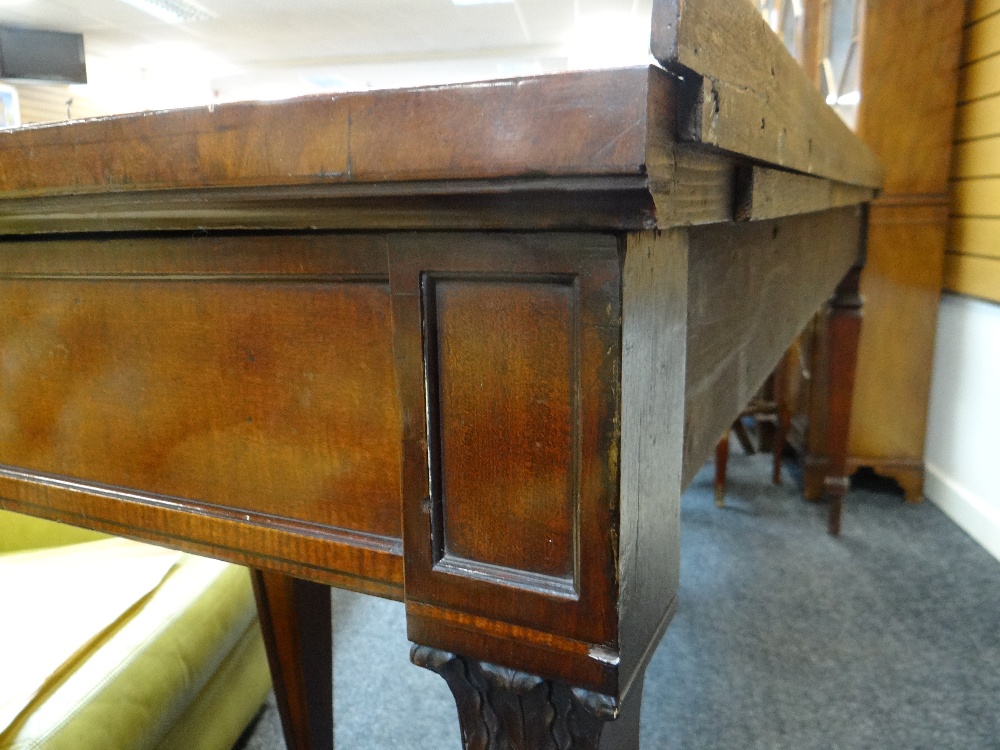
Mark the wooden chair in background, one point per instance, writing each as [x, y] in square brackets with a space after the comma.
[772, 405]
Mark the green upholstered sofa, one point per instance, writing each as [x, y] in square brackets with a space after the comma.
[183, 667]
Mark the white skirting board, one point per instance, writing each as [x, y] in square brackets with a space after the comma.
[976, 516]
[962, 459]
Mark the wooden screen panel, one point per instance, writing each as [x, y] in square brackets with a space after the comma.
[471, 313]
[972, 275]
[976, 236]
[979, 79]
[902, 272]
[203, 375]
[978, 118]
[972, 263]
[980, 72]
[506, 375]
[982, 38]
[978, 9]
[978, 158]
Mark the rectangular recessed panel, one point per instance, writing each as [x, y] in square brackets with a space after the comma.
[272, 395]
[504, 426]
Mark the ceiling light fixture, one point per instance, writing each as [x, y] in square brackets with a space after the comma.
[481, 2]
[172, 11]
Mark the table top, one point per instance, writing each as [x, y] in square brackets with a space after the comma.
[594, 123]
[642, 147]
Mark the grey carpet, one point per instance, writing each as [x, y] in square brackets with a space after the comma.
[888, 637]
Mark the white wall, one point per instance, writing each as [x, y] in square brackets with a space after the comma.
[963, 436]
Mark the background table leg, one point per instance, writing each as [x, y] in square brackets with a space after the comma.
[783, 413]
[721, 462]
[295, 619]
[843, 331]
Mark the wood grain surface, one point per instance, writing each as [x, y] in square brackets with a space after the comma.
[245, 381]
[595, 150]
[908, 111]
[295, 620]
[903, 272]
[735, 335]
[566, 151]
[654, 346]
[763, 193]
[553, 300]
[907, 115]
[578, 123]
[496, 375]
[749, 96]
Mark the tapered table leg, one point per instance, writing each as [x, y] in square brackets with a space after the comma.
[504, 709]
[721, 461]
[843, 332]
[295, 620]
[783, 416]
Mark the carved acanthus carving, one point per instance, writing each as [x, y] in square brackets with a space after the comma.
[504, 709]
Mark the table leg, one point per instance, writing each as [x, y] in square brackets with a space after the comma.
[843, 332]
[783, 416]
[721, 462]
[295, 619]
[504, 709]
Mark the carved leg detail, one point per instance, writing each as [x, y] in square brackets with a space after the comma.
[503, 709]
[295, 620]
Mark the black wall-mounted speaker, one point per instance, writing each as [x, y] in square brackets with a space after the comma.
[37, 55]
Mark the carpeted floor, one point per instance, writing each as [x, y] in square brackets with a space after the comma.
[888, 637]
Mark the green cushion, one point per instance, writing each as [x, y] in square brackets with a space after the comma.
[19, 532]
[187, 666]
[228, 703]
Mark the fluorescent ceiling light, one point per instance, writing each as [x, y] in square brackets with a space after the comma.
[171, 11]
[481, 2]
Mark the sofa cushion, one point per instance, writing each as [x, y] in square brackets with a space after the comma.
[58, 601]
[20, 532]
[159, 672]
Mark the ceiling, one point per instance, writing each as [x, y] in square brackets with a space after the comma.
[267, 49]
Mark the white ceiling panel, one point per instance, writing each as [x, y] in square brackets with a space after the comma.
[550, 21]
[260, 48]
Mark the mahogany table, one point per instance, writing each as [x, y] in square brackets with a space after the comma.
[460, 346]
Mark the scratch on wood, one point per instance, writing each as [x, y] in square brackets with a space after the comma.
[607, 146]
